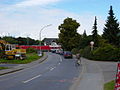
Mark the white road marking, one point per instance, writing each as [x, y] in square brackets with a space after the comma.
[52, 68]
[60, 59]
[31, 79]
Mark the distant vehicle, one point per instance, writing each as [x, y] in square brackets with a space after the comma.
[67, 54]
[57, 52]
[61, 52]
[53, 51]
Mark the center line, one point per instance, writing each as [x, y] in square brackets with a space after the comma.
[31, 79]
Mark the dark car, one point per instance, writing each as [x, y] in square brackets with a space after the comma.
[67, 54]
[53, 51]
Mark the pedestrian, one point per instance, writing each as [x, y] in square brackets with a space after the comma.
[78, 61]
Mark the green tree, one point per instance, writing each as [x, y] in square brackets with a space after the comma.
[85, 42]
[95, 33]
[84, 34]
[68, 35]
[27, 41]
[111, 29]
[10, 39]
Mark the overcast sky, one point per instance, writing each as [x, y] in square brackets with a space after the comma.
[27, 17]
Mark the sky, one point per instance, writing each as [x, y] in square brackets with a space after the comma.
[27, 18]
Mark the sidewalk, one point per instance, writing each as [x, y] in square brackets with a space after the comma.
[22, 66]
[95, 74]
[92, 76]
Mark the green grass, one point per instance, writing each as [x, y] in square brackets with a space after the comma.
[110, 85]
[3, 68]
[30, 57]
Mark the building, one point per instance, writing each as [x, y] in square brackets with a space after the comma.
[52, 43]
[48, 41]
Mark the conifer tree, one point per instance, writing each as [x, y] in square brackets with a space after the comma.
[111, 29]
[95, 33]
[84, 34]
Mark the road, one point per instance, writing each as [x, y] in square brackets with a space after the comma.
[55, 73]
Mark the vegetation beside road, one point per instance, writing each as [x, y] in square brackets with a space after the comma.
[1, 68]
[30, 57]
[110, 85]
[103, 47]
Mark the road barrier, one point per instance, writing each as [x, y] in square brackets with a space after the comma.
[117, 81]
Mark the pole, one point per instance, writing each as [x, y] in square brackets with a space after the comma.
[40, 53]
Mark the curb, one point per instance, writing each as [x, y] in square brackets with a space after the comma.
[19, 68]
[77, 82]
[10, 71]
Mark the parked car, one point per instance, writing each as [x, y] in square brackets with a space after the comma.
[67, 54]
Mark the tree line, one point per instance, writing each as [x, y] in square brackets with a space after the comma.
[20, 40]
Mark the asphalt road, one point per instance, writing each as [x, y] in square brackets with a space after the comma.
[55, 73]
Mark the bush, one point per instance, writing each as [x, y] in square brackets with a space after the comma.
[31, 50]
[75, 51]
[108, 52]
[86, 52]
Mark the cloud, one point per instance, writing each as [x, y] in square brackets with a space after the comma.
[35, 2]
[29, 21]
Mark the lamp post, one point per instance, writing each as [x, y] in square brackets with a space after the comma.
[91, 45]
[40, 52]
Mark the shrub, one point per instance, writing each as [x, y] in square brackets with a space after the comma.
[105, 53]
[75, 51]
[86, 52]
[108, 52]
[31, 50]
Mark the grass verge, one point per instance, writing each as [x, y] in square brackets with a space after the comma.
[1, 68]
[30, 57]
[109, 86]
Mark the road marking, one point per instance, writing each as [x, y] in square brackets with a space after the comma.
[58, 63]
[60, 59]
[31, 79]
[52, 68]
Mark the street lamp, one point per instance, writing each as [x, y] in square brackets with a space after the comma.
[40, 53]
[91, 45]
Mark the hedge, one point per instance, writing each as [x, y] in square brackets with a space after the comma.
[106, 53]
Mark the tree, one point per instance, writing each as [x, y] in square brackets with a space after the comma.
[85, 42]
[68, 35]
[95, 33]
[111, 29]
[84, 34]
[10, 39]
